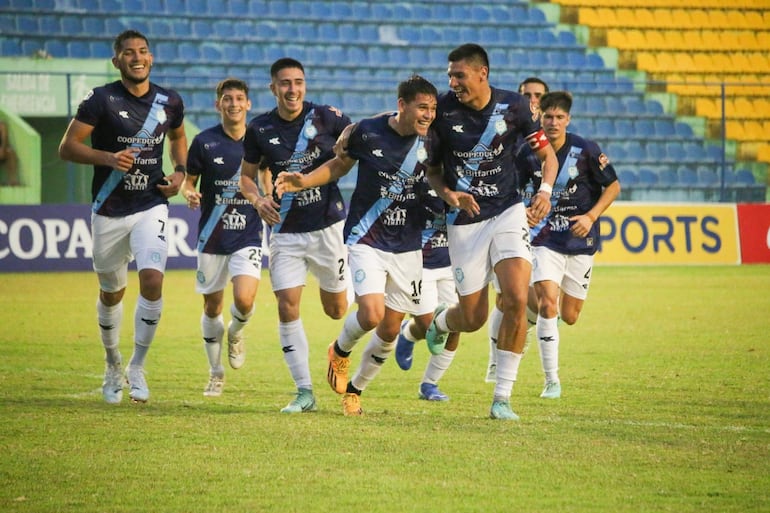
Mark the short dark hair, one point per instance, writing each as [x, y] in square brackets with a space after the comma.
[533, 80]
[283, 63]
[557, 99]
[414, 85]
[470, 52]
[232, 83]
[117, 45]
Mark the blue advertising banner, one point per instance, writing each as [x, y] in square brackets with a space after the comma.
[58, 237]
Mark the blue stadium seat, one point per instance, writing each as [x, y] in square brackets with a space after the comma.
[744, 178]
[594, 61]
[674, 151]
[624, 128]
[71, 25]
[604, 127]
[667, 177]
[664, 128]
[79, 49]
[708, 178]
[25, 24]
[627, 178]
[647, 177]
[567, 38]
[10, 47]
[189, 52]
[683, 130]
[635, 105]
[635, 150]
[644, 128]
[101, 49]
[686, 176]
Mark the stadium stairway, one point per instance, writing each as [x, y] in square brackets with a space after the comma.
[355, 52]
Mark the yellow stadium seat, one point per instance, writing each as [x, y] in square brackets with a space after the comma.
[708, 107]
[734, 130]
[758, 61]
[753, 130]
[717, 18]
[754, 20]
[699, 18]
[647, 61]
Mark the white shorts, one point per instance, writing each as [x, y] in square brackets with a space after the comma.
[438, 286]
[397, 275]
[119, 240]
[213, 270]
[571, 272]
[322, 252]
[476, 248]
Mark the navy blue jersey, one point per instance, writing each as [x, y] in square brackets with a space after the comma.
[228, 221]
[385, 211]
[477, 149]
[435, 245]
[299, 145]
[122, 120]
[583, 173]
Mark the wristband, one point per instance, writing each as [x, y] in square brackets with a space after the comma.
[545, 187]
[180, 169]
[591, 217]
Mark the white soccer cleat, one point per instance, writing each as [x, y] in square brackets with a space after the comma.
[112, 387]
[137, 385]
[236, 349]
[215, 386]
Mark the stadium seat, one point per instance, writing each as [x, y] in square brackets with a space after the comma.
[687, 176]
[627, 178]
[744, 178]
[647, 177]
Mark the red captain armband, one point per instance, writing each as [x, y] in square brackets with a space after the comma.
[538, 140]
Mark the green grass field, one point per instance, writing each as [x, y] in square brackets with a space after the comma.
[665, 407]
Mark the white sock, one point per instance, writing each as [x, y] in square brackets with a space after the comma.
[110, 319]
[406, 331]
[351, 333]
[375, 354]
[493, 328]
[146, 320]
[437, 366]
[548, 341]
[441, 323]
[296, 352]
[507, 371]
[213, 330]
[238, 319]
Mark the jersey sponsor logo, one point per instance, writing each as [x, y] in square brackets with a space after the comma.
[123, 114]
[484, 189]
[234, 221]
[458, 129]
[308, 196]
[275, 141]
[377, 153]
[136, 181]
[394, 217]
[219, 160]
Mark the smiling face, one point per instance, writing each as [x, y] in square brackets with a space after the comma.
[134, 60]
[233, 105]
[288, 87]
[469, 81]
[415, 117]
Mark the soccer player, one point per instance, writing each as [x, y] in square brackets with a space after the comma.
[229, 230]
[438, 286]
[298, 136]
[128, 121]
[477, 129]
[533, 88]
[565, 242]
[382, 230]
